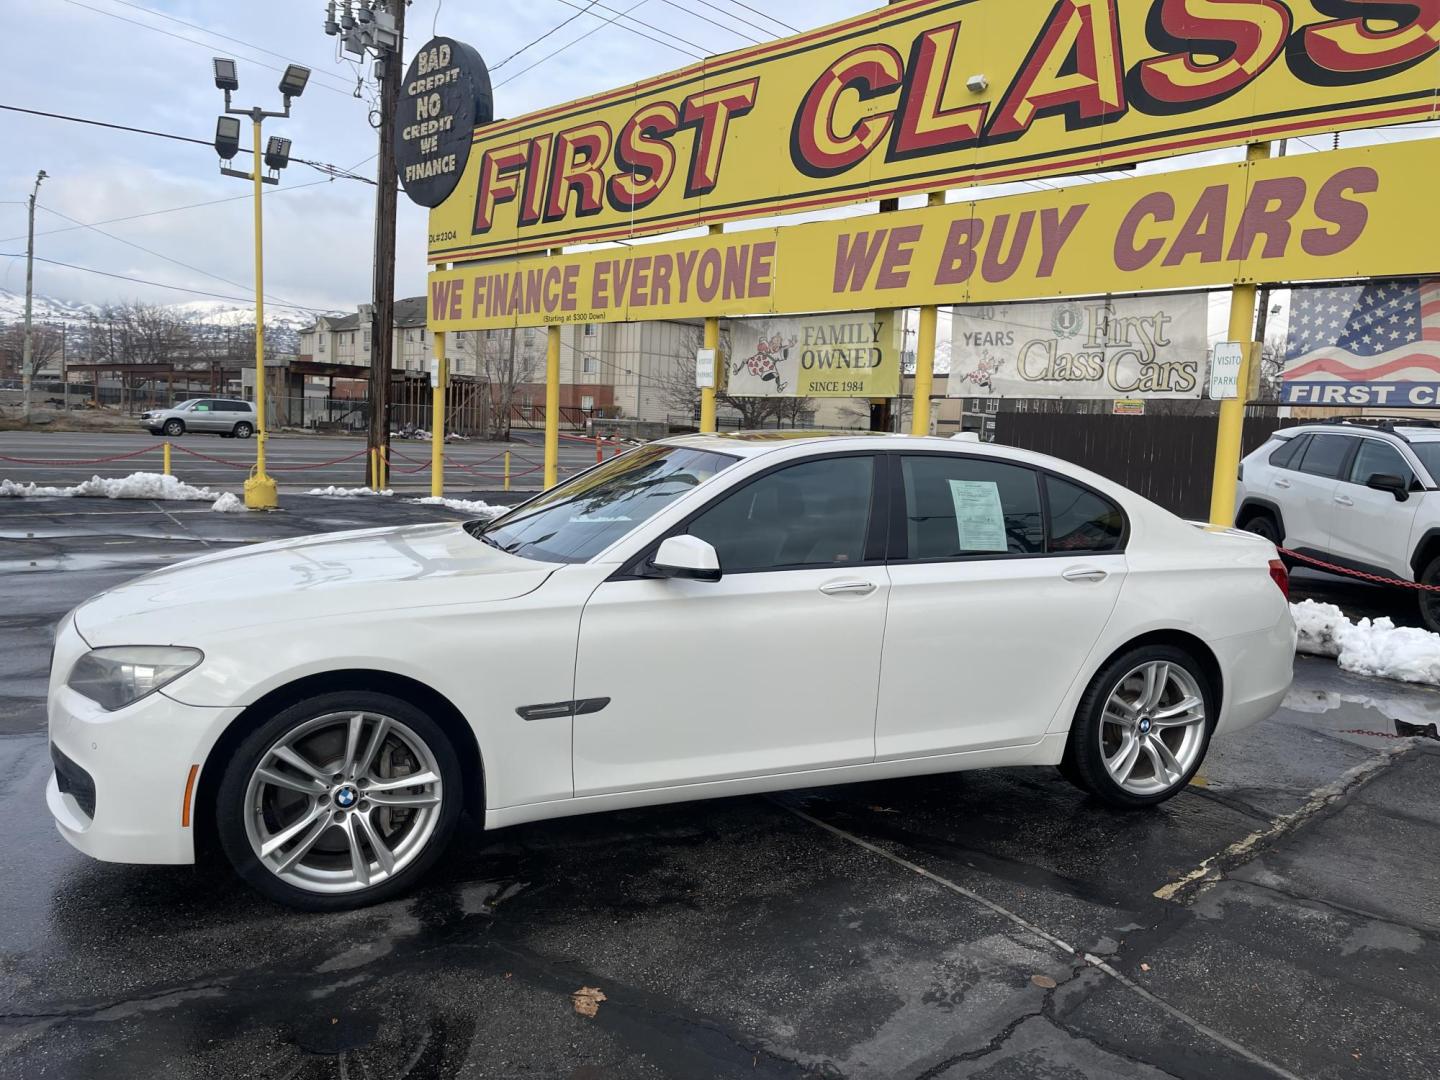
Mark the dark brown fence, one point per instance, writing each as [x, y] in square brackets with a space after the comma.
[1168, 459]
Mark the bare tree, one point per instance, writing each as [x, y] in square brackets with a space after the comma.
[503, 360]
[677, 387]
[140, 333]
[46, 343]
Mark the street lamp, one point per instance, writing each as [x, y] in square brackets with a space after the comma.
[260, 491]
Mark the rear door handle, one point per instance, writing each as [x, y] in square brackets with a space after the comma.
[1084, 573]
[839, 588]
[1344, 500]
[1282, 483]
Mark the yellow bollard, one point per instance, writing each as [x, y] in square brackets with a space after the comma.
[167, 459]
[374, 472]
[507, 470]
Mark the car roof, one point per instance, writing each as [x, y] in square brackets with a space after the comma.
[1400, 431]
[754, 443]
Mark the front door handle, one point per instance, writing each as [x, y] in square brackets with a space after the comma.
[1344, 500]
[839, 588]
[1084, 573]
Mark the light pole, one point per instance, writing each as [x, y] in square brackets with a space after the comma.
[259, 488]
[25, 348]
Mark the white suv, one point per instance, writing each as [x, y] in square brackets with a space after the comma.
[1359, 493]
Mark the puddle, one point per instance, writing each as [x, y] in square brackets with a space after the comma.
[1398, 715]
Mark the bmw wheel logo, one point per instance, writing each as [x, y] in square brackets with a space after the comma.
[1144, 727]
[345, 798]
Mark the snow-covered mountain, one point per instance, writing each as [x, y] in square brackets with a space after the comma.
[216, 313]
[43, 309]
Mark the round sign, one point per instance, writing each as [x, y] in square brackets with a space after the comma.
[445, 96]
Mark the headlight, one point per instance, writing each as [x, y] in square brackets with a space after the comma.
[118, 676]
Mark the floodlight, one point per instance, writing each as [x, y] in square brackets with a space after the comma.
[977, 84]
[277, 152]
[292, 83]
[225, 74]
[227, 136]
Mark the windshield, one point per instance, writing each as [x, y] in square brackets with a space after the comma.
[582, 517]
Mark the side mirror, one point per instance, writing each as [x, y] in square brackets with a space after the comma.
[1396, 485]
[686, 557]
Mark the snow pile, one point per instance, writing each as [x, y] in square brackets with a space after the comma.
[138, 485]
[1368, 647]
[228, 503]
[334, 492]
[465, 506]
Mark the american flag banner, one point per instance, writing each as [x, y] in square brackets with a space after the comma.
[1372, 344]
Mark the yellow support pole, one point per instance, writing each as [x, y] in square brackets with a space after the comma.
[552, 405]
[167, 458]
[437, 420]
[507, 470]
[374, 470]
[259, 488]
[712, 342]
[925, 355]
[1229, 429]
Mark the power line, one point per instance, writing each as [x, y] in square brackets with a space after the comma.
[157, 284]
[181, 37]
[740, 18]
[649, 26]
[705, 18]
[155, 213]
[766, 15]
[582, 37]
[546, 34]
[160, 255]
[321, 166]
[215, 33]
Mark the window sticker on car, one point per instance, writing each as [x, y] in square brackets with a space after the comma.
[978, 515]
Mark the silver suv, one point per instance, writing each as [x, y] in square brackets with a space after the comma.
[230, 418]
[1360, 493]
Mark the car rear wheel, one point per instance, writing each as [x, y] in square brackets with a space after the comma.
[1142, 728]
[244, 430]
[174, 428]
[341, 800]
[1265, 525]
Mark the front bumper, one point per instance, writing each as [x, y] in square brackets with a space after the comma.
[137, 761]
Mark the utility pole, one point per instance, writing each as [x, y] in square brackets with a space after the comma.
[25, 350]
[377, 27]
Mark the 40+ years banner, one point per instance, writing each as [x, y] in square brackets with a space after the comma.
[925, 95]
[1365, 212]
[1124, 347]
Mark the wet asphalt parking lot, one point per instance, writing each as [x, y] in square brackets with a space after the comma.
[1280, 918]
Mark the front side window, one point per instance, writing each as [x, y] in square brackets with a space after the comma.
[583, 516]
[812, 514]
[1375, 457]
[1081, 520]
[969, 506]
[1325, 456]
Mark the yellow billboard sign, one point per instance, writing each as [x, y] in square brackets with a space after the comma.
[1347, 213]
[930, 94]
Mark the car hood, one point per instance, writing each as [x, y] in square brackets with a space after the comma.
[309, 577]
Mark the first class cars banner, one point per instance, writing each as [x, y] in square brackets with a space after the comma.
[931, 94]
[1349, 213]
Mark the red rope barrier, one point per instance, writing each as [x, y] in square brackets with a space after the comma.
[1361, 574]
[82, 461]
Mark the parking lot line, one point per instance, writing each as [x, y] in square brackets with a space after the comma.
[1315, 801]
[1089, 959]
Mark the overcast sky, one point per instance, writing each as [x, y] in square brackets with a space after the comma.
[124, 61]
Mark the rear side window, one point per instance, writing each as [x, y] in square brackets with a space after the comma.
[965, 506]
[1326, 454]
[1286, 454]
[1081, 520]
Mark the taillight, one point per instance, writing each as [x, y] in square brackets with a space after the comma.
[1280, 576]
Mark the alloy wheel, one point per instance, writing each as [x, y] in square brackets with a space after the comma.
[1152, 730]
[343, 802]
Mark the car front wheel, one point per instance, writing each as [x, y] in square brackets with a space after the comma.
[174, 428]
[341, 800]
[1429, 598]
[1142, 728]
[244, 430]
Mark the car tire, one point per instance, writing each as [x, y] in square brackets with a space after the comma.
[1118, 705]
[1429, 602]
[244, 430]
[174, 428]
[1264, 524]
[335, 834]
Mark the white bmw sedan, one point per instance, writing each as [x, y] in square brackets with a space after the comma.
[703, 616]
